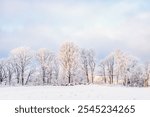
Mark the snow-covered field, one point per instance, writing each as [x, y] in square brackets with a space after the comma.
[82, 92]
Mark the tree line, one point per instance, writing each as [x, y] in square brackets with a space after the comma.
[70, 66]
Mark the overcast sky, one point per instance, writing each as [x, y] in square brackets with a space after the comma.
[103, 25]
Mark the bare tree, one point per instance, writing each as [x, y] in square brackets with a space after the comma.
[92, 63]
[45, 59]
[30, 73]
[85, 63]
[130, 69]
[136, 76]
[50, 66]
[56, 69]
[17, 71]
[22, 58]
[69, 59]
[116, 65]
[3, 74]
[119, 62]
[110, 62]
[146, 74]
[102, 71]
[10, 70]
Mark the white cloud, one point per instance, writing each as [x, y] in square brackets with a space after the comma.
[97, 25]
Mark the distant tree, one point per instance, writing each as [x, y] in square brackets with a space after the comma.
[31, 72]
[10, 70]
[56, 69]
[146, 74]
[110, 63]
[92, 63]
[103, 71]
[136, 79]
[84, 60]
[68, 55]
[119, 64]
[131, 70]
[22, 59]
[45, 59]
[50, 68]
[3, 74]
[17, 72]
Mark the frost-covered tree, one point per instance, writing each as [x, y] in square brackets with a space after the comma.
[136, 78]
[3, 74]
[45, 59]
[102, 71]
[92, 63]
[30, 75]
[130, 71]
[113, 66]
[68, 56]
[10, 70]
[50, 68]
[22, 59]
[146, 74]
[123, 62]
[120, 62]
[118, 65]
[85, 63]
[56, 69]
[17, 72]
[110, 63]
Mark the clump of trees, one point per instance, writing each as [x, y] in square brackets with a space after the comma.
[72, 65]
[122, 68]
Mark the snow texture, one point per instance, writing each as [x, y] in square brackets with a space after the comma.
[78, 92]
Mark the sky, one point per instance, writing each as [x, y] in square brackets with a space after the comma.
[103, 25]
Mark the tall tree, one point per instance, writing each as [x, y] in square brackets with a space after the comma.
[69, 60]
[45, 59]
[146, 74]
[22, 58]
[10, 70]
[102, 70]
[56, 69]
[92, 63]
[110, 62]
[85, 63]
[3, 74]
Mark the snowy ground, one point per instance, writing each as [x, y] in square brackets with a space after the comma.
[74, 92]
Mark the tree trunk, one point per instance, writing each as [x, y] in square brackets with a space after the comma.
[9, 76]
[92, 78]
[87, 77]
[69, 79]
[28, 78]
[43, 75]
[22, 76]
